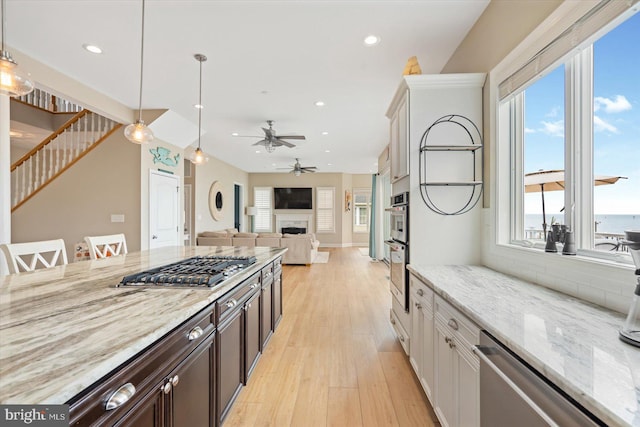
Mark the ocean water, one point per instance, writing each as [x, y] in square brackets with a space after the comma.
[606, 223]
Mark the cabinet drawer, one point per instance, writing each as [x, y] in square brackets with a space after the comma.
[236, 297]
[421, 293]
[458, 325]
[277, 265]
[267, 275]
[402, 334]
[142, 372]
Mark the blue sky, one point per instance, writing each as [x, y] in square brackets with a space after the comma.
[616, 124]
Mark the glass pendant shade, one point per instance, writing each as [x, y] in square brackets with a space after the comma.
[198, 156]
[138, 133]
[270, 148]
[12, 83]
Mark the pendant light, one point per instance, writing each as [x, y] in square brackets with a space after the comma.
[138, 132]
[12, 83]
[198, 155]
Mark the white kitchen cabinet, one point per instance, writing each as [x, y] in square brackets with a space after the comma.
[400, 331]
[457, 373]
[398, 139]
[421, 354]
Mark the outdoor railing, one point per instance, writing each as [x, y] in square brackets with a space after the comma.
[606, 241]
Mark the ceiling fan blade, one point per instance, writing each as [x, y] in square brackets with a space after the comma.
[309, 167]
[285, 143]
[262, 142]
[248, 136]
[268, 132]
[291, 137]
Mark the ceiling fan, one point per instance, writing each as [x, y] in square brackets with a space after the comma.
[272, 140]
[299, 169]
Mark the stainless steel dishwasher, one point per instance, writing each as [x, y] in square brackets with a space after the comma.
[514, 394]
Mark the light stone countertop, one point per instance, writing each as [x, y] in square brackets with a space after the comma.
[573, 343]
[63, 328]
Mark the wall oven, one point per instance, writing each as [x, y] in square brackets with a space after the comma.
[399, 248]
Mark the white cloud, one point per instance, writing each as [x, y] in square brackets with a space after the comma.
[553, 128]
[617, 105]
[529, 130]
[553, 112]
[600, 125]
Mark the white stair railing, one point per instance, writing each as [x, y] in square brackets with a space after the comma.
[79, 135]
[45, 101]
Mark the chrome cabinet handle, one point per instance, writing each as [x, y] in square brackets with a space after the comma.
[253, 286]
[231, 303]
[120, 396]
[401, 338]
[195, 333]
[166, 388]
[419, 306]
[453, 324]
[447, 340]
[175, 380]
[452, 344]
[393, 322]
[420, 292]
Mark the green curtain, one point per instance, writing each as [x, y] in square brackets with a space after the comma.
[372, 225]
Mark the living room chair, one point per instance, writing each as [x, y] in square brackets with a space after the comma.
[106, 246]
[45, 253]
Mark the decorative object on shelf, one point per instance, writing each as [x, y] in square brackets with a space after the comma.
[161, 155]
[551, 243]
[432, 141]
[12, 82]
[569, 246]
[198, 157]
[138, 132]
[216, 201]
[347, 200]
[412, 67]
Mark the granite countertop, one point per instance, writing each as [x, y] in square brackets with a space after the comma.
[63, 328]
[573, 343]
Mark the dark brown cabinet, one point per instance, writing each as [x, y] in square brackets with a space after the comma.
[277, 292]
[230, 361]
[252, 330]
[148, 412]
[266, 312]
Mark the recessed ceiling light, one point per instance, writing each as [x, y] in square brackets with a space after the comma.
[329, 164]
[371, 40]
[325, 133]
[92, 48]
[198, 106]
[257, 151]
[234, 134]
[319, 104]
[327, 151]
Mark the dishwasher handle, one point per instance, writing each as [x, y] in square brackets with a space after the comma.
[481, 351]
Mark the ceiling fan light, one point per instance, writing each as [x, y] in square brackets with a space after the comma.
[138, 133]
[270, 148]
[12, 82]
[296, 172]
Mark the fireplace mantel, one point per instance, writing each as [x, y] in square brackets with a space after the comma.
[294, 220]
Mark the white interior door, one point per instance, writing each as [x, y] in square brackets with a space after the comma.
[164, 209]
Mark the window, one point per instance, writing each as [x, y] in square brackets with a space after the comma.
[361, 210]
[578, 118]
[262, 201]
[325, 211]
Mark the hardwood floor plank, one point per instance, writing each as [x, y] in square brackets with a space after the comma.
[334, 359]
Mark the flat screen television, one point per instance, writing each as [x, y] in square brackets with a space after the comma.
[292, 198]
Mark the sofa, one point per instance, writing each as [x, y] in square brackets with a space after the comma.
[302, 248]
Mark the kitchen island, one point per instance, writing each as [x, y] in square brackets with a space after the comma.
[572, 343]
[64, 328]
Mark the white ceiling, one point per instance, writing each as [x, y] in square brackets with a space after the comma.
[266, 60]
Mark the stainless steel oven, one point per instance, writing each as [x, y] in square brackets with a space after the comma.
[399, 248]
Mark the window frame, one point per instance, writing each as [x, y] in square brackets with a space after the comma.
[331, 209]
[367, 193]
[263, 210]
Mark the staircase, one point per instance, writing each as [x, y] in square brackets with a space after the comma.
[60, 150]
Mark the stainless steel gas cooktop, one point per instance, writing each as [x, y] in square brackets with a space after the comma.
[197, 272]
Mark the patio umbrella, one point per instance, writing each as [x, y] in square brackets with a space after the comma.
[553, 180]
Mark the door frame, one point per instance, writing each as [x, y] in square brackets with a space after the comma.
[180, 242]
[239, 204]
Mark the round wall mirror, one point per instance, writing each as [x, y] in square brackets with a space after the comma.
[216, 200]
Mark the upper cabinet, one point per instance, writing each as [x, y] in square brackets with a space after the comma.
[398, 138]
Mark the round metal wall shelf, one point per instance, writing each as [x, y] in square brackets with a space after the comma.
[468, 188]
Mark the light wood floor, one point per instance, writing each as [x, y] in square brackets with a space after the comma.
[334, 360]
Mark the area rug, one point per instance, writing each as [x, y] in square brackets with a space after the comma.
[321, 258]
[364, 251]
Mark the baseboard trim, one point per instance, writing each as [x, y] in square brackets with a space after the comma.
[343, 245]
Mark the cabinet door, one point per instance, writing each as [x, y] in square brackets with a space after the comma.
[428, 353]
[417, 334]
[277, 299]
[467, 374]
[403, 138]
[148, 412]
[444, 384]
[230, 361]
[266, 313]
[252, 342]
[393, 145]
[191, 400]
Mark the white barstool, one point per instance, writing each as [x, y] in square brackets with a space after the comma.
[106, 246]
[16, 255]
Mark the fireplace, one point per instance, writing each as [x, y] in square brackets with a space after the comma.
[293, 230]
[288, 221]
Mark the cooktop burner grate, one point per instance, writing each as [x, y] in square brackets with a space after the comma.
[199, 271]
